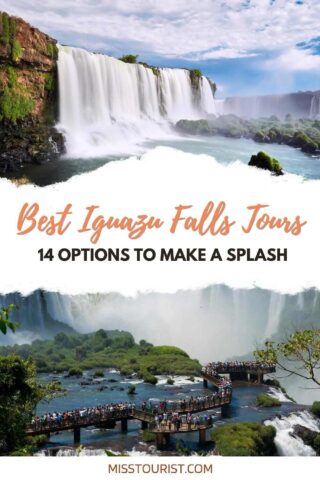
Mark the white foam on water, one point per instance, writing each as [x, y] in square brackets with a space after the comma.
[278, 394]
[286, 443]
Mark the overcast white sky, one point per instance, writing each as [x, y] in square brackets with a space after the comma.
[257, 46]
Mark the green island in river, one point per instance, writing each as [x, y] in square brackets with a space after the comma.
[106, 349]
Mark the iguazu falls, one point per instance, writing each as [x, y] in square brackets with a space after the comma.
[180, 372]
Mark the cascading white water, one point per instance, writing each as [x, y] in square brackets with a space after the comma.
[108, 106]
[299, 104]
[315, 107]
[237, 319]
[287, 444]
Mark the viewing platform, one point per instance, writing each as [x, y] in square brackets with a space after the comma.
[108, 416]
[245, 371]
[164, 431]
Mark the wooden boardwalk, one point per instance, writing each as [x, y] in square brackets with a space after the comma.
[107, 418]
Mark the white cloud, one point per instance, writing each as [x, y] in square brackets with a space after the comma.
[226, 53]
[295, 60]
[223, 29]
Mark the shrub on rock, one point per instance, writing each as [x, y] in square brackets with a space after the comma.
[264, 161]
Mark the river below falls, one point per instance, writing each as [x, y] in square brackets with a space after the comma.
[224, 150]
[113, 388]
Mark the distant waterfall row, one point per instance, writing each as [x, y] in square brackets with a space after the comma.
[315, 107]
[235, 321]
[106, 105]
[299, 104]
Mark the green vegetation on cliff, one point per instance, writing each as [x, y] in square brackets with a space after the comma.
[244, 439]
[15, 98]
[104, 349]
[8, 36]
[315, 409]
[264, 400]
[129, 58]
[16, 51]
[5, 20]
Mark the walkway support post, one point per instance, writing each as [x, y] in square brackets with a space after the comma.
[162, 439]
[124, 425]
[202, 436]
[205, 383]
[144, 425]
[225, 411]
[76, 435]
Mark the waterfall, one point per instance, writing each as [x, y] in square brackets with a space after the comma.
[287, 444]
[108, 106]
[299, 104]
[215, 323]
[315, 107]
[234, 320]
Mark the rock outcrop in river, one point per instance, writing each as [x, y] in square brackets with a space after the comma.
[28, 93]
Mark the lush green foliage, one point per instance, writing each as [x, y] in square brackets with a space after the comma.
[264, 161]
[196, 72]
[15, 99]
[104, 349]
[19, 395]
[15, 104]
[12, 77]
[50, 83]
[52, 50]
[5, 321]
[244, 439]
[5, 36]
[264, 400]
[299, 354]
[16, 51]
[298, 133]
[129, 58]
[170, 381]
[315, 409]
[8, 36]
[148, 436]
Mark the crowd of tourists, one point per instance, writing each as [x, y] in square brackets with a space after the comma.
[200, 402]
[77, 415]
[164, 411]
[175, 421]
[214, 368]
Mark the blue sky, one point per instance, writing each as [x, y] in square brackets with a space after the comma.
[246, 47]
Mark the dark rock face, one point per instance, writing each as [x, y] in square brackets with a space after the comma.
[28, 142]
[309, 437]
[28, 95]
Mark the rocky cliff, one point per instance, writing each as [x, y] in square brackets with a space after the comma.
[28, 94]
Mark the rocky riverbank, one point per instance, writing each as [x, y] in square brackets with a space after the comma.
[28, 95]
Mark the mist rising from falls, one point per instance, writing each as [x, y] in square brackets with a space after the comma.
[212, 323]
[299, 104]
[108, 106]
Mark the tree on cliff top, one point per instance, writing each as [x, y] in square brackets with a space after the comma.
[298, 355]
[5, 322]
[129, 58]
